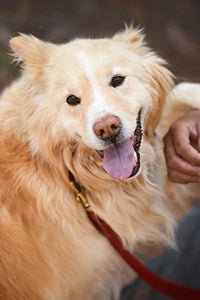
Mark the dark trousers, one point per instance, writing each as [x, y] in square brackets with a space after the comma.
[182, 265]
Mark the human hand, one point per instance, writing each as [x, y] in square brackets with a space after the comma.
[182, 149]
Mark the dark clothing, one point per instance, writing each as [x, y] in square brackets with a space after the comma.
[182, 265]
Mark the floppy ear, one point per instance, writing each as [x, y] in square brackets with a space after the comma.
[27, 48]
[31, 51]
[134, 39]
[156, 77]
[160, 82]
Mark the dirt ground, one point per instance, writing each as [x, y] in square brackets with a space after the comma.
[172, 27]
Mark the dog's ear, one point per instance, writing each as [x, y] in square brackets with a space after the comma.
[30, 51]
[134, 39]
[27, 48]
[157, 78]
[160, 81]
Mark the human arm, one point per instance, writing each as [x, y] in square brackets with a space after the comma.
[182, 149]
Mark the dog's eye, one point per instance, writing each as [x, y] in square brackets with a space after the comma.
[73, 100]
[117, 80]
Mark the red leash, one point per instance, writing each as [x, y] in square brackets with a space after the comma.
[173, 290]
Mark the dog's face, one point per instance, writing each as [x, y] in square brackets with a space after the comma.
[106, 93]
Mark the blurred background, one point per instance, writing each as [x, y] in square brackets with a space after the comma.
[171, 27]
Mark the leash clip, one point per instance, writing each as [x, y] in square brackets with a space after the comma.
[79, 194]
[82, 199]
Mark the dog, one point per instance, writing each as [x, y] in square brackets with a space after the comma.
[90, 108]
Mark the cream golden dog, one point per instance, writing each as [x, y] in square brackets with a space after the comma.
[89, 107]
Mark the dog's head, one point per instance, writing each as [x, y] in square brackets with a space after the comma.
[106, 94]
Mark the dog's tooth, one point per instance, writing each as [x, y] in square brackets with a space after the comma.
[135, 155]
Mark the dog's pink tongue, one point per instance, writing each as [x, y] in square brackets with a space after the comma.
[119, 159]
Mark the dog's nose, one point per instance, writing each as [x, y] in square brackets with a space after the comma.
[107, 128]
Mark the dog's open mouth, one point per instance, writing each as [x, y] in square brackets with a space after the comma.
[122, 159]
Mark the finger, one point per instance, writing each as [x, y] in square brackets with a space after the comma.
[181, 165]
[187, 152]
[183, 145]
[176, 162]
[179, 177]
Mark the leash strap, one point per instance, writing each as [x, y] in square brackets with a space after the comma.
[174, 290]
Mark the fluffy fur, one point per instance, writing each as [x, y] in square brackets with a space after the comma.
[48, 248]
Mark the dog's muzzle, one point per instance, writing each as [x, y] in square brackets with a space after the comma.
[121, 157]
